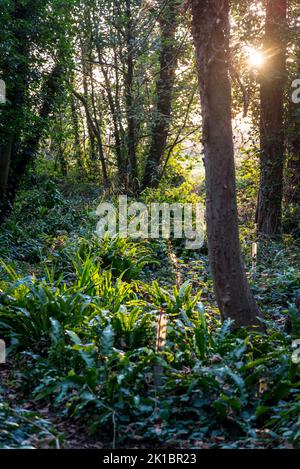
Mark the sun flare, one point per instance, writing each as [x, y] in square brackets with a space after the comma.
[255, 58]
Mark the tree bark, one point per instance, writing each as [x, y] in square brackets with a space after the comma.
[293, 181]
[131, 118]
[269, 211]
[211, 30]
[292, 192]
[164, 92]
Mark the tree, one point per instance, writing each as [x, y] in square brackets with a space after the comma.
[129, 96]
[293, 146]
[14, 64]
[292, 137]
[269, 210]
[76, 132]
[164, 91]
[33, 68]
[20, 160]
[211, 30]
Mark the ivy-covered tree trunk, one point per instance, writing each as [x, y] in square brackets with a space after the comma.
[23, 154]
[210, 27]
[269, 210]
[12, 115]
[24, 116]
[164, 92]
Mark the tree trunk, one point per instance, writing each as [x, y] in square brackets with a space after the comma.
[75, 123]
[121, 161]
[269, 209]
[23, 157]
[98, 136]
[164, 91]
[11, 115]
[292, 192]
[211, 37]
[60, 146]
[5, 159]
[294, 169]
[85, 73]
[131, 118]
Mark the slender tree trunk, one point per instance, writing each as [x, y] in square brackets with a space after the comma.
[5, 159]
[273, 73]
[131, 118]
[62, 160]
[99, 136]
[75, 123]
[292, 191]
[211, 37]
[164, 91]
[85, 73]
[60, 147]
[121, 161]
[97, 133]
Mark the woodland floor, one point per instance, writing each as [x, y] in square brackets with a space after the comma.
[275, 282]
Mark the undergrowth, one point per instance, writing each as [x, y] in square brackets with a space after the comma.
[80, 316]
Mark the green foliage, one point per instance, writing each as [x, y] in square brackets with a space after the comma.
[80, 315]
[23, 429]
[100, 361]
[185, 193]
[81, 326]
[119, 255]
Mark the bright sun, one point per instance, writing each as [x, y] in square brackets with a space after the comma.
[255, 58]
